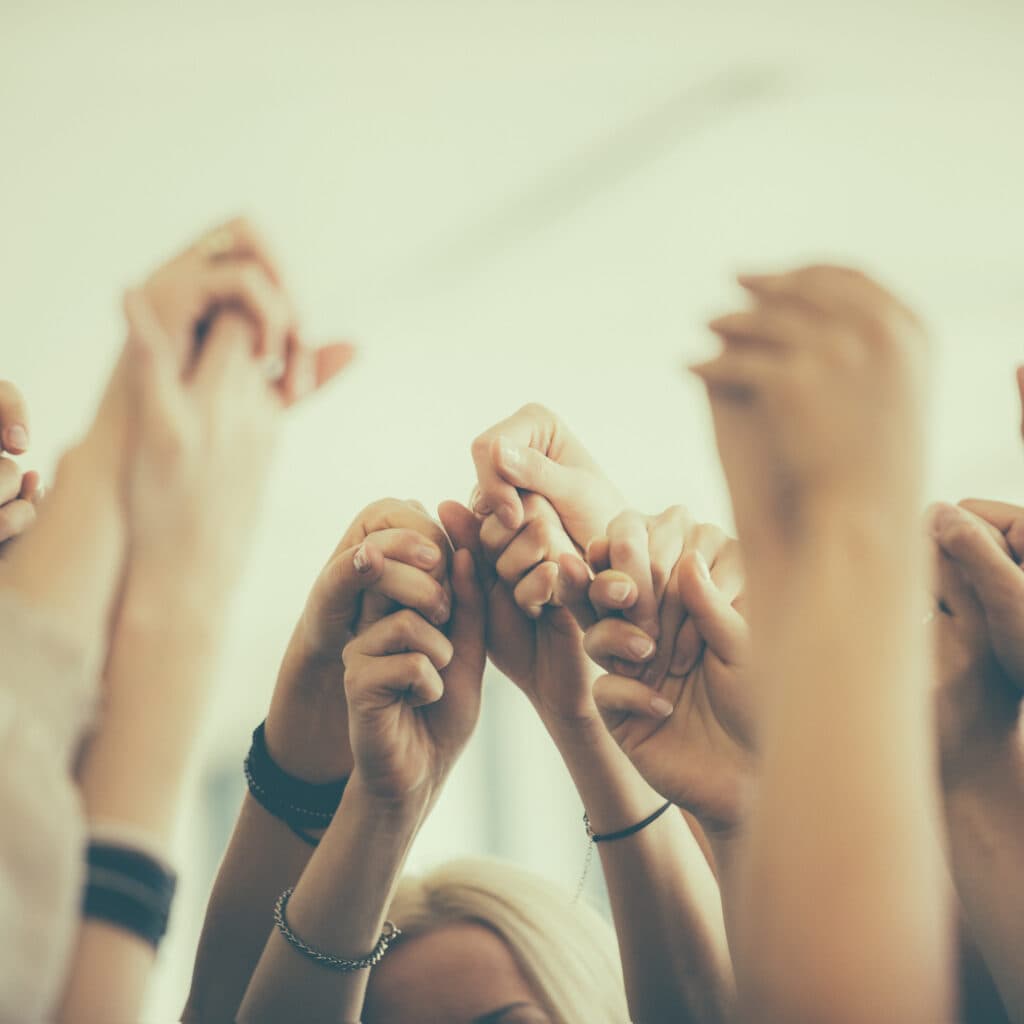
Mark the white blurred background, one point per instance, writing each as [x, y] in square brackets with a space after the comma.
[502, 202]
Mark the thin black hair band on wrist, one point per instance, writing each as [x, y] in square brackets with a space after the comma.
[609, 837]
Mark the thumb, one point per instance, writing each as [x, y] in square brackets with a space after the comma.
[720, 626]
[967, 540]
[530, 470]
[463, 529]
[339, 589]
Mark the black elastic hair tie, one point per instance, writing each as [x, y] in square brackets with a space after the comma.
[632, 830]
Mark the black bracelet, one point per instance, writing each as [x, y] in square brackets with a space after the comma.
[632, 830]
[299, 804]
[129, 889]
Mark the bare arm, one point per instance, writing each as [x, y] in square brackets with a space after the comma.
[843, 908]
[664, 898]
[307, 734]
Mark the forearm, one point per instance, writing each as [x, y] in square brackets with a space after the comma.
[161, 663]
[985, 820]
[664, 898]
[70, 564]
[339, 906]
[845, 745]
[132, 774]
[264, 858]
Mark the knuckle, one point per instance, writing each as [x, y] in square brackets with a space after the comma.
[481, 446]
[420, 667]
[406, 624]
[535, 410]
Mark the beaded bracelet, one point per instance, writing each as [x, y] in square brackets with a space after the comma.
[334, 963]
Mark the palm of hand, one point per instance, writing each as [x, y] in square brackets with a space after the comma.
[699, 756]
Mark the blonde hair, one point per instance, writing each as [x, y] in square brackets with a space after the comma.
[566, 950]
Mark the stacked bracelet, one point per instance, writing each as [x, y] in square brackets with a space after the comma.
[300, 805]
[128, 888]
[335, 963]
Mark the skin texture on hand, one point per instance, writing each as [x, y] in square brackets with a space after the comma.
[533, 450]
[233, 268]
[817, 400]
[405, 564]
[414, 694]
[530, 639]
[979, 627]
[681, 711]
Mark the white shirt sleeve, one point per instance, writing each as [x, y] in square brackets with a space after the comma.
[48, 688]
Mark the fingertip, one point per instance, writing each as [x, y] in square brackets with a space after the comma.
[15, 438]
[940, 516]
[510, 514]
[367, 560]
[661, 707]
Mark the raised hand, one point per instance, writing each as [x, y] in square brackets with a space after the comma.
[232, 267]
[533, 450]
[530, 638]
[407, 566]
[817, 399]
[979, 546]
[18, 491]
[680, 709]
[414, 694]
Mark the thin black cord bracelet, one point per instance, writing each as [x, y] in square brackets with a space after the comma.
[632, 830]
[609, 837]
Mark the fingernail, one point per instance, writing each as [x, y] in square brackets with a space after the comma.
[510, 453]
[426, 555]
[661, 707]
[16, 436]
[619, 592]
[482, 507]
[941, 519]
[444, 609]
[702, 567]
[640, 647]
[361, 560]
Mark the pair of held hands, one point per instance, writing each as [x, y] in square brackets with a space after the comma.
[213, 358]
[803, 435]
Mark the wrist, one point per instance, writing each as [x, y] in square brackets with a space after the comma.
[401, 814]
[307, 724]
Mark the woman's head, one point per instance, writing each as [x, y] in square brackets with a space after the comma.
[479, 937]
